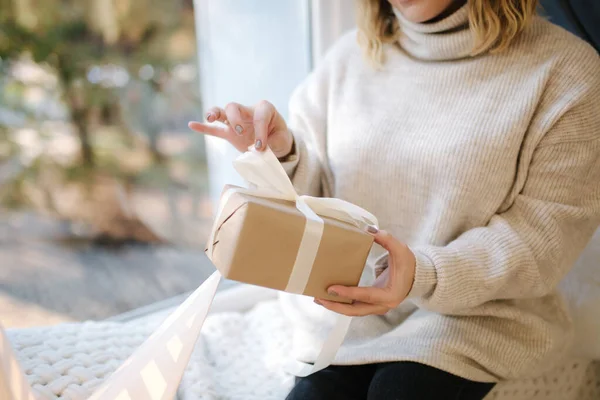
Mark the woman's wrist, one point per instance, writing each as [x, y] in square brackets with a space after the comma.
[291, 153]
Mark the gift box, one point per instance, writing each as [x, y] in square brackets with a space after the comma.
[258, 239]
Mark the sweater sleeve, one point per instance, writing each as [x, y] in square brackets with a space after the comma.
[307, 122]
[526, 250]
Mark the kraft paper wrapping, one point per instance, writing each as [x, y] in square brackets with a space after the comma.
[154, 370]
[259, 238]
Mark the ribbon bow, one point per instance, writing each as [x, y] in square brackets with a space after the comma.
[264, 171]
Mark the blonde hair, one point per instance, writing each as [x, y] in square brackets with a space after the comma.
[494, 24]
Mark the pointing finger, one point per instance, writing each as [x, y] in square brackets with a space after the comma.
[208, 129]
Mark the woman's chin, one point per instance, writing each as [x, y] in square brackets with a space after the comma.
[419, 11]
[414, 13]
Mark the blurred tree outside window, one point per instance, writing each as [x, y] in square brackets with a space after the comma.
[95, 100]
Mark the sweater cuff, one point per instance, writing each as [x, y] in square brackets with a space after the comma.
[425, 276]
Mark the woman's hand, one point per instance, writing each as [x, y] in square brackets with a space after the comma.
[260, 126]
[390, 289]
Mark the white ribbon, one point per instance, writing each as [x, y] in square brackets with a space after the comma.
[154, 370]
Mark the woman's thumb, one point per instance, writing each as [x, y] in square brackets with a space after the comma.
[382, 238]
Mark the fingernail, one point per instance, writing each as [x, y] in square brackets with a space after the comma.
[372, 229]
[258, 144]
[317, 302]
[239, 129]
[208, 117]
[332, 293]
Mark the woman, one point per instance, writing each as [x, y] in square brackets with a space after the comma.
[472, 131]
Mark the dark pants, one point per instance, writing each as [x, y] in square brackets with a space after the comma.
[387, 381]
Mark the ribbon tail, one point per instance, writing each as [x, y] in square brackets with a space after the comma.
[328, 351]
[154, 370]
[334, 340]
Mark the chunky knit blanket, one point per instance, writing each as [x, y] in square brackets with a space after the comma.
[238, 357]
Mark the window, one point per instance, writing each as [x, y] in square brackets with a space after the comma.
[249, 51]
[106, 197]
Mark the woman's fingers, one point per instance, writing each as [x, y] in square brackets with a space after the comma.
[391, 287]
[385, 240]
[238, 129]
[240, 119]
[260, 125]
[353, 310]
[263, 114]
[371, 295]
[208, 129]
[215, 114]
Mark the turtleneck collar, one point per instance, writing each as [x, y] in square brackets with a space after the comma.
[447, 39]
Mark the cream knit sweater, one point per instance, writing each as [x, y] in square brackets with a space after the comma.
[487, 167]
